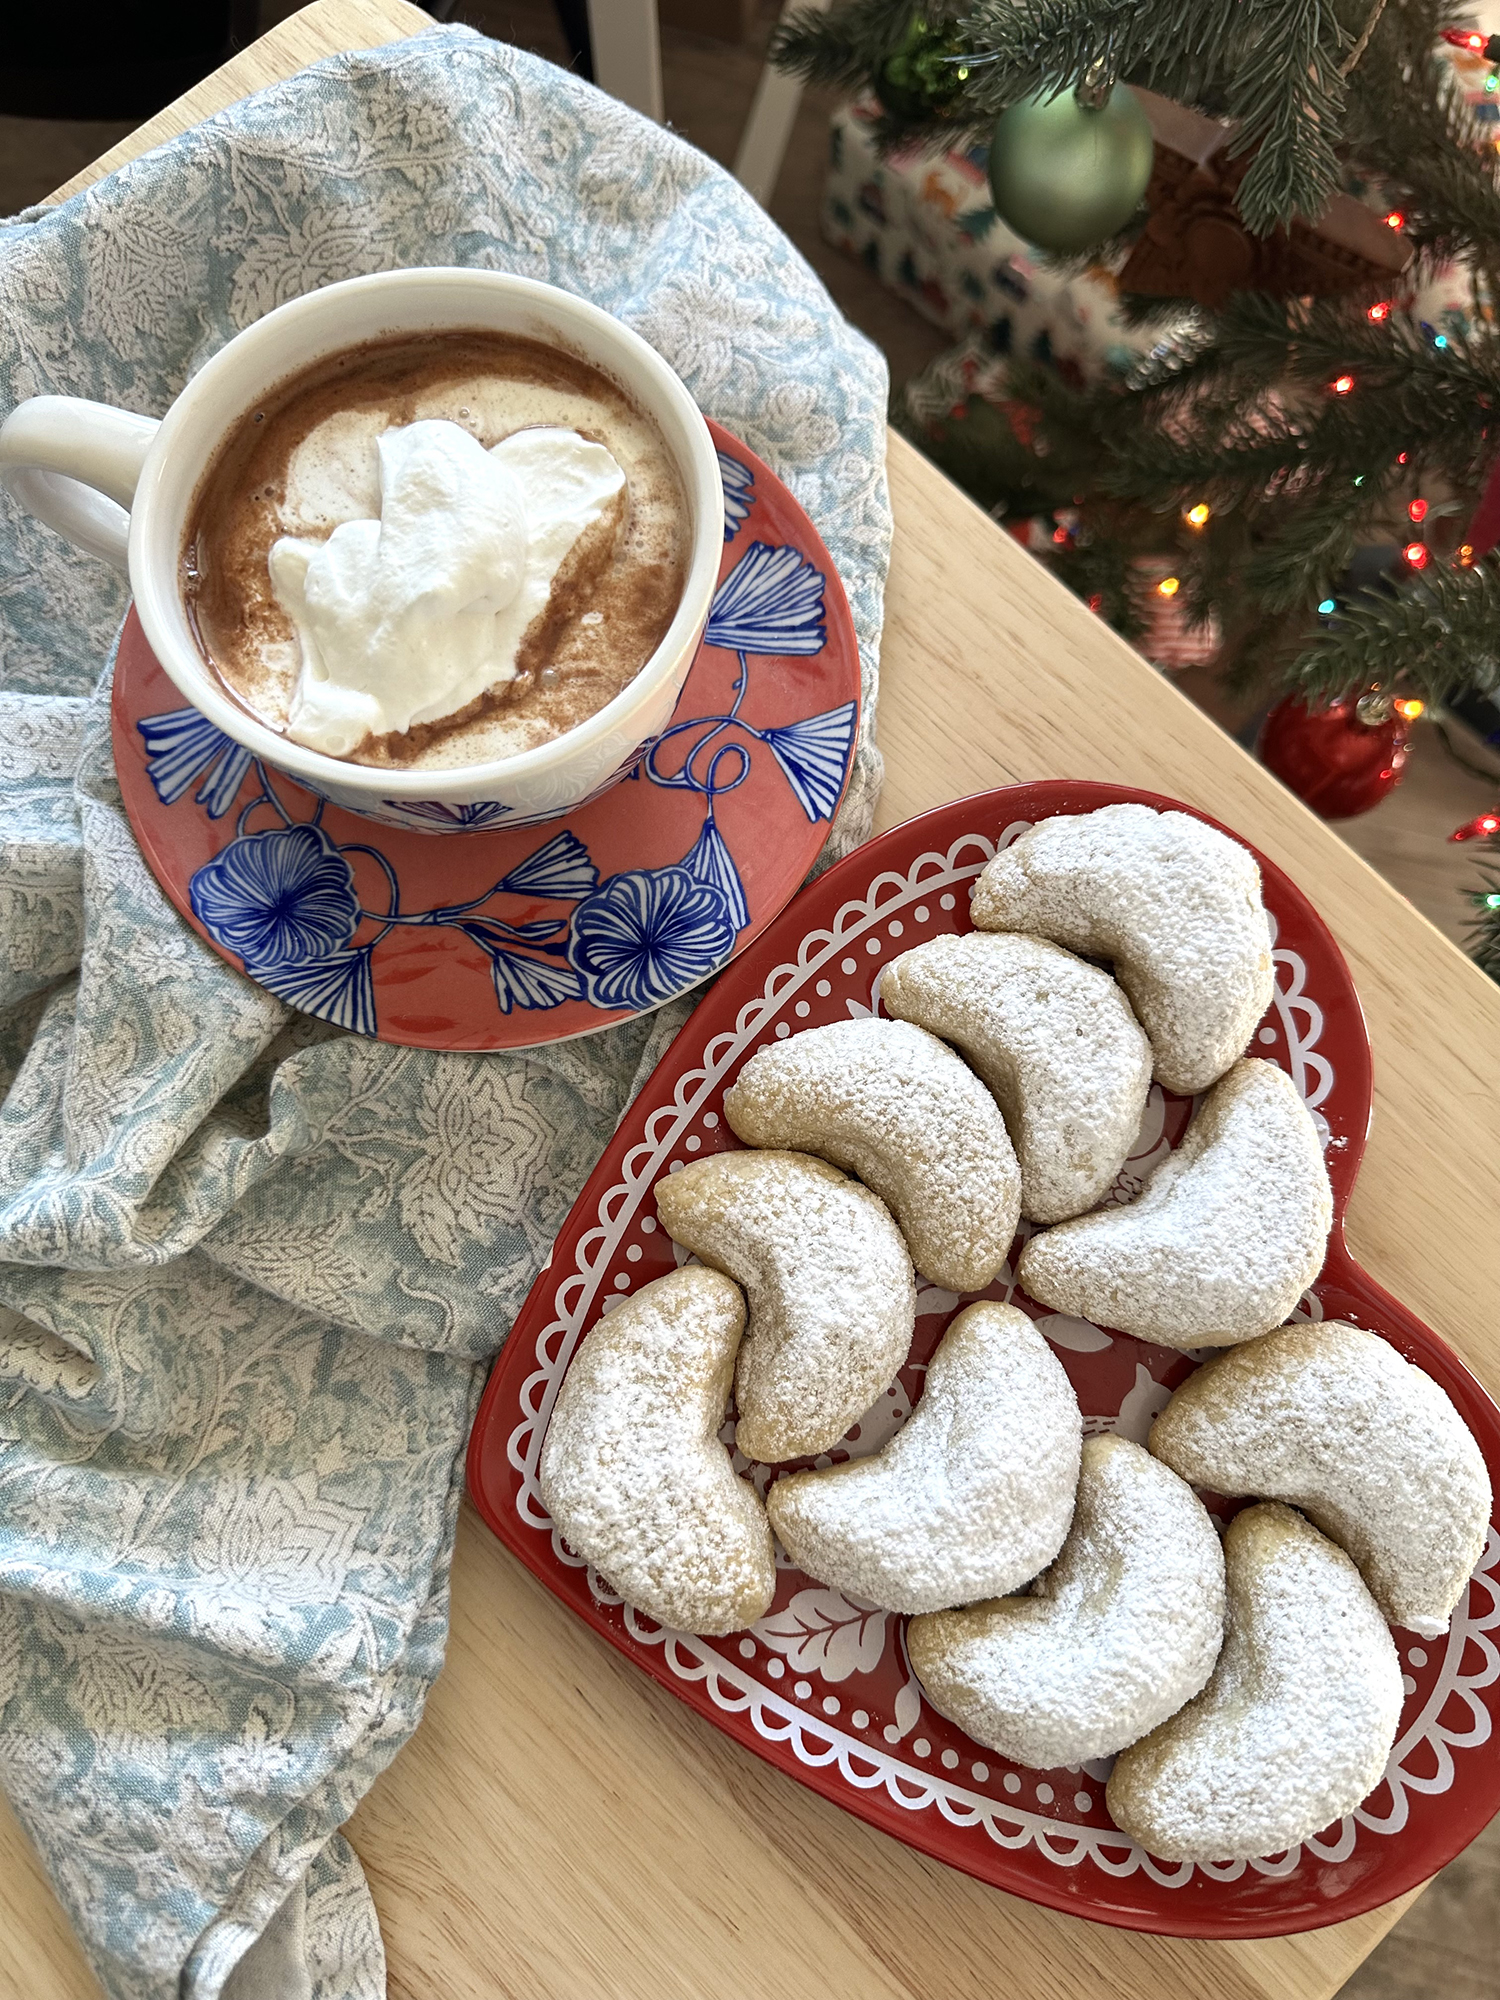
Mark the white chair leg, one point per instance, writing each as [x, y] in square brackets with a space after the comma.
[627, 52]
[773, 113]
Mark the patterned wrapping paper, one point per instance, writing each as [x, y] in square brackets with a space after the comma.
[251, 1267]
[925, 225]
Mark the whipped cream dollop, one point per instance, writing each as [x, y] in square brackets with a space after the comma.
[409, 618]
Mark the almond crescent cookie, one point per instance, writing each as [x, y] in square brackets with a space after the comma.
[633, 1472]
[1175, 906]
[1056, 1042]
[897, 1107]
[969, 1499]
[1122, 1630]
[1225, 1237]
[1335, 1421]
[832, 1299]
[1295, 1726]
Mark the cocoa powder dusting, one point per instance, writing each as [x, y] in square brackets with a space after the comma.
[304, 459]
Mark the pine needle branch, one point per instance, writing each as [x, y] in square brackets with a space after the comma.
[1273, 64]
[843, 48]
[1226, 462]
[1320, 341]
[1409, 121]
[1287, 95]
[1263, 391]
[1439, 634]
[1483, 938]
[1300, 560]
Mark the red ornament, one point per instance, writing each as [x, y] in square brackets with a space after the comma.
[1333, 761]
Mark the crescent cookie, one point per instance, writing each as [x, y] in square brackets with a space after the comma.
[832, 1299]
[1056, 1042]
[970, 1498]
[1122, 1630]
[1175, 906]
[1334, 1420]
[632, 1469]
[1225, 1237]
[1295, 1726]
[897, 1107]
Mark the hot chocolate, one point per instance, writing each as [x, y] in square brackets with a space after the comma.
[436, 550]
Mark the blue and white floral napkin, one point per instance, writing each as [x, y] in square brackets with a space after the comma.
[251, 1266]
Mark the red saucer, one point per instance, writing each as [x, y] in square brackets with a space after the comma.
[821, 1687]
[458, 933]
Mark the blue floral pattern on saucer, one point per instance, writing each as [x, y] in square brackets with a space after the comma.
[450, 819]
[183, 744]
[739, 493]
[285, 898]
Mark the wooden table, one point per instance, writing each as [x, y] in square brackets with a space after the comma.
[560, 1827]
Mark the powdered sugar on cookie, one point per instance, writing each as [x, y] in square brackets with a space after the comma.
[1226, 1236]
[1334, 1420]
[1122, 1630]
[832, 1297]
[970, 1499]
[1294, 1728]
[632, 1469]
[1174, 904]
[900, 1109]
[1055, 1041]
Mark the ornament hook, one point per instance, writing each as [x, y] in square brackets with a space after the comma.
[1095, 85]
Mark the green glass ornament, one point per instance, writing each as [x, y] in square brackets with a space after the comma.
[922, 78]
[1066, 175]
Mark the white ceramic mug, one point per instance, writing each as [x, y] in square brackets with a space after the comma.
[122, 487]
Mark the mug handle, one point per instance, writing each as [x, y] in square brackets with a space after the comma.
[75, 464]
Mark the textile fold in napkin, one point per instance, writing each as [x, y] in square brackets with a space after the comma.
[250, 1266]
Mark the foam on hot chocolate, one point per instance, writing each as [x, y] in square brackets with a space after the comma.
[499, 648]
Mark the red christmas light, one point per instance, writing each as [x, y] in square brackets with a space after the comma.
[1478, 829]
[1417, 510]
[1341, 384]
[1096, 602]
[1395, 220]
[1417, 554]
[1379, 311]
[1401, 457]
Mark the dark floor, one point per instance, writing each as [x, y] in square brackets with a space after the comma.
[1449, 1944]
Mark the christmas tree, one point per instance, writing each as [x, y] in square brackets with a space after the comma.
[1271, 180]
